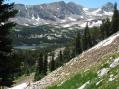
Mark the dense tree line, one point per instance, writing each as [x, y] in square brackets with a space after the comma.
[9, 65]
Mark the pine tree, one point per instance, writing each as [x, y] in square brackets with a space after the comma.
[87, 41]
[52, 64]
[66, 55]
[7, 65]
[115, 20]
[107, 27]
[73, 54]
[78, 47]
[102, 29]
[60, 58]
[45, 66]
[39, 70]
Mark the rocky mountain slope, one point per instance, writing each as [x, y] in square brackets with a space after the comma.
[60, 13]
[53, 23]
[101, 62]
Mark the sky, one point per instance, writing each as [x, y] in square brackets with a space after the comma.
[85, 3]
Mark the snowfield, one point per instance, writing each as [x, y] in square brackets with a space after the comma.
[21, 86]
[72, 19]
[105, 42]
[96, 11]
[85, 9]
[108, 13]
[91, 23]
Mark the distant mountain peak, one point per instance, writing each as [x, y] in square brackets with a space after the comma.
[109, 3]
[108, 7]
[60, 2]
[59, 12]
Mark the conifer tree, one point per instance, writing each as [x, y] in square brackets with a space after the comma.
[78, 48]
[60, 53]
[102, 29]
[39, 70]
[66, 55]
[87, 41]
[115, 20]
[7, 65]
[73, 54]
[107, 27]
[59, 59]
[52, 63]
[45, 66]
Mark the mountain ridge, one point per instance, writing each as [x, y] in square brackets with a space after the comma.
[59, 13]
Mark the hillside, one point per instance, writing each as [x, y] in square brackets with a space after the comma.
[100, 59]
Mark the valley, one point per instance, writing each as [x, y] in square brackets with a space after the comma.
[59, 45]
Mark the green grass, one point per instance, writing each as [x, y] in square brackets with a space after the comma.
[76, 81]
[90, 75]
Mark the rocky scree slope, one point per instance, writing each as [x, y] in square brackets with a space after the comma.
[83, 61]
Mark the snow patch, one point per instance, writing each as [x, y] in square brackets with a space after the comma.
[21, 86]
[106, 41]
[50, 37]
[35, 23]
[67, 25]
[26, 24]
[33, 17]
[85, 9]
[72, 19]
[91, 23]
[90, 19]
[84, 24]
[38, 18]
[2, 23]
[96, 11]
[62, 21]
[81, 17]
[58, 8]
[108, 13]
[97, 23]
[84, 85]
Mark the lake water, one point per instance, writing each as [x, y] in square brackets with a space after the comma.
[33, 46]
[25, 47]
